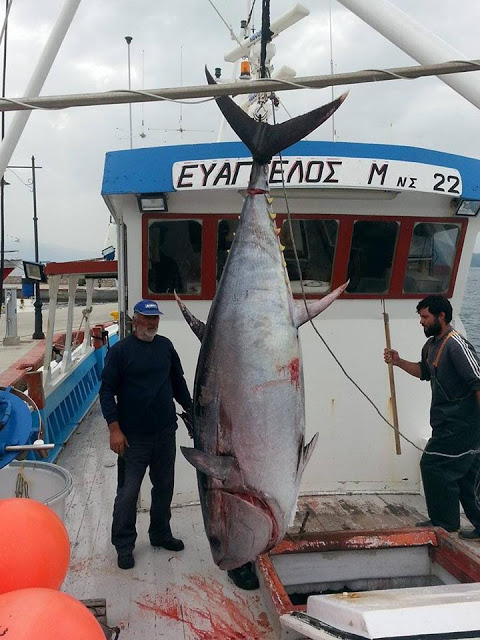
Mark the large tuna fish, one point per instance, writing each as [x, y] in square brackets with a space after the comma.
[249, 409]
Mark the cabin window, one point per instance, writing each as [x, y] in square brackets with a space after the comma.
[225, 234]
[174, 256]
[371, 256]
[315, 242]
[431, 257]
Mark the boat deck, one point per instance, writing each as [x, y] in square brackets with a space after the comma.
[184, 595]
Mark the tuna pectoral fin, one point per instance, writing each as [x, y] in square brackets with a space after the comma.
[196, 325]
[220, 467]
[265, 140]
[316, 306]
[306, 453]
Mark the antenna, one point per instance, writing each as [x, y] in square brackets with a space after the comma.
[142, 132]
[180, 127]
[287, 20]
[331, 66]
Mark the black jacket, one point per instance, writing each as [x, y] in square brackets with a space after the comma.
[139, 382]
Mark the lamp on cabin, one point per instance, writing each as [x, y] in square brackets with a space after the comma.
[34, 271]
[152, 202]
[468, 208]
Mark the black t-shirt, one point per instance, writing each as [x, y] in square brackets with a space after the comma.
[458, 369]
[139, 382]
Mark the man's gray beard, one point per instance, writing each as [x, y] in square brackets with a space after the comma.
[145, 336]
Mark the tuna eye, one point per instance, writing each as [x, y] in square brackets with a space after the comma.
[214, 542]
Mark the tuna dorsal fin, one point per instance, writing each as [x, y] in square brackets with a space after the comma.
[306, 453]
[220, 467]
[265, 140]
[315, 307]
[196, 325]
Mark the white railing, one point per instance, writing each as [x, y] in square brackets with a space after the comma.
[72, 351]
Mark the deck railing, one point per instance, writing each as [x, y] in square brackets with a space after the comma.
[69, 387]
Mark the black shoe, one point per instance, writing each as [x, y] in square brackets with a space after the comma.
[469, 534]
[244, 577]
[126, 561]
[172, 544]
[424, 523]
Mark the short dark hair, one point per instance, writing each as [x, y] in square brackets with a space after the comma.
[436, 304]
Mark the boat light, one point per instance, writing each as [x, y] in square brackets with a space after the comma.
[468, 208]
[152, 202]
[245, 70]
[34, 271]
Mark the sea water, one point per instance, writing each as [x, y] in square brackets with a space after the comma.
[470, 311]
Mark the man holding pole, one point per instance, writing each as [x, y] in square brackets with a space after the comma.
[452, 366]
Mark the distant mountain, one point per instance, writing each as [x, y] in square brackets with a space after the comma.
[475, 260]
[57, 253]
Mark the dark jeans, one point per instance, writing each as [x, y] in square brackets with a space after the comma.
[158, 453]
[447, 481]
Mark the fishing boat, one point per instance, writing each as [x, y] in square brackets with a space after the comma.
[399, 223]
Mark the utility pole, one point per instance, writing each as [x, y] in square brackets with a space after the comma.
[2, 180]
[38, 332]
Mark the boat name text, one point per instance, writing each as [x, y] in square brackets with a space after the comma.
[355, 173]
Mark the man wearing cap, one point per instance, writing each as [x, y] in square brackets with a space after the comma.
[141, 378]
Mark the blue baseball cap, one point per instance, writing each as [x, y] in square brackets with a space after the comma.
[147, 308]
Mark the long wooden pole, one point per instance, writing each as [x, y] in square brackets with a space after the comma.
[393, 395]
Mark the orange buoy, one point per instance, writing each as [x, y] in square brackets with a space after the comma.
[46, 614]
[34, 546]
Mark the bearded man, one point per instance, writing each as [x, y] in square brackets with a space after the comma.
[141, 378]
[452, 366]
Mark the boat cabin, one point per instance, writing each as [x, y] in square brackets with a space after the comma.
[399, 223]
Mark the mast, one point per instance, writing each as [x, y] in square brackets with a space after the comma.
[7, 147]
[418, 42]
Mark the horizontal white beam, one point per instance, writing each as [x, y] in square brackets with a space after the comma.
[236, 88]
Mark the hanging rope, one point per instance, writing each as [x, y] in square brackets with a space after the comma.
[266, 37]
[469, 452]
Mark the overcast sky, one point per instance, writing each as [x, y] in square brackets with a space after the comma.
[172, 41]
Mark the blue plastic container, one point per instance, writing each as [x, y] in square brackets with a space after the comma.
[27, 289]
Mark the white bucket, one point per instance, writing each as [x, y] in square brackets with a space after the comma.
[47, 483]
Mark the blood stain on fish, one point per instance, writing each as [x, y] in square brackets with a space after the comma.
[293, 370]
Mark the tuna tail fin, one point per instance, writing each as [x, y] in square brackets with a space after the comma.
[196, 325]
[265, 140]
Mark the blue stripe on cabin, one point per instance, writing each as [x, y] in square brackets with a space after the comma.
[149, 170]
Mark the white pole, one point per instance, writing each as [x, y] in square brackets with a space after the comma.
[8, 144]
[5, 22]
[277, 26]
[129, 40]
[415, 40]
[331, 63]
[237, 88]
[122, 310]
[67, 351]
